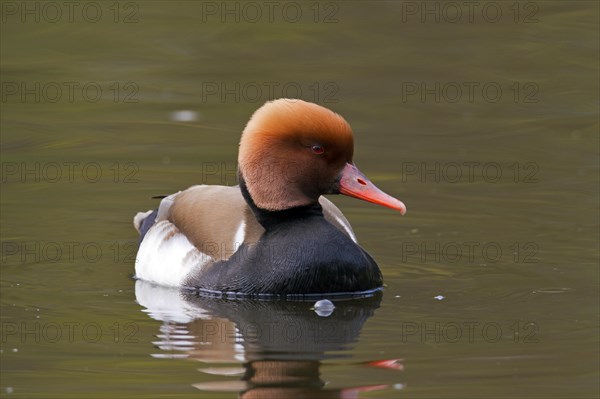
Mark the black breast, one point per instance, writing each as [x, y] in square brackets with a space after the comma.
[298, 254]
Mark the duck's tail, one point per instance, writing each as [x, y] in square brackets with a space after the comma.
[142, 221]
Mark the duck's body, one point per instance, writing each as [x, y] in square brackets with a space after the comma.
[274, 234]
[230, 251]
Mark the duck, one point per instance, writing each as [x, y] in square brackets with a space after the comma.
[274, 234]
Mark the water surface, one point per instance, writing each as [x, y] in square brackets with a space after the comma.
[491, 277]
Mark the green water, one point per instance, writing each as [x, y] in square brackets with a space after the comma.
[484, 124]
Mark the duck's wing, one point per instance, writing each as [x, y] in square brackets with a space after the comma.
[191, 230]
[215, 219]
[196, 227]
[334, 216]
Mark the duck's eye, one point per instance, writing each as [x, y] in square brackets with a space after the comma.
[318, 149]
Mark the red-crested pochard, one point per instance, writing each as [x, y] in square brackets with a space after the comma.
[274, 234]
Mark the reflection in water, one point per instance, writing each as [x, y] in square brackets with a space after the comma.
[280, 344]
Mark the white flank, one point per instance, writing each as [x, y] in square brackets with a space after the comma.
[240, 234]
[336, 217]
[346, 227]
[166, 256]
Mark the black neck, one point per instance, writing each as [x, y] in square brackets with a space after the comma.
[270, 218]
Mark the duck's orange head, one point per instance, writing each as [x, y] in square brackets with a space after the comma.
[292, 152]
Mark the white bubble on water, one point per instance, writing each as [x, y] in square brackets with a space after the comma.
[324, 307]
